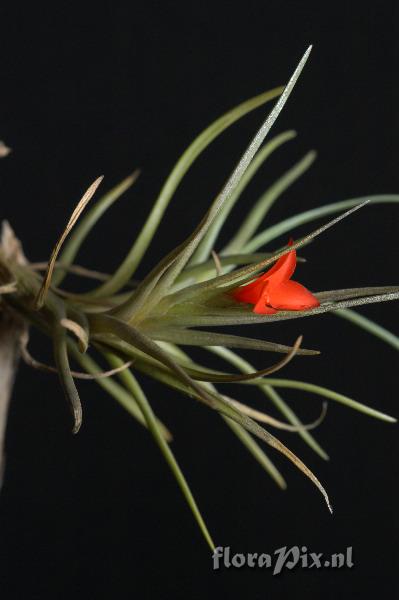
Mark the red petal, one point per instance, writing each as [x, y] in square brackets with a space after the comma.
[291, 295]
[261, 308]
[282, 270]
[249, 293]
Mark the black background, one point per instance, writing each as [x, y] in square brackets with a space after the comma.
[101, 91]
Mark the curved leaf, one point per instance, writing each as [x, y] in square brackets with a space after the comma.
[229, 280]
[265, 202]
[187, 337]
[288, 225]
[133, 386]
[66, 379]
[207, 243]
[115, 390]
[136, 253]
[327, 393]
[81, 231]
[229, 187]
[369, 325]
[244, 366]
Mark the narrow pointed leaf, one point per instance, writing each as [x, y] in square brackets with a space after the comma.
[87, 196]
[244, 437]
[272, 441]
[244, 274]
[116, 391]
[136, 253]
[290, 224]
[65, 376]
[206, 270]
[265, 202]
[351, 293]
[211, 377]
[244, 366]
[263, 417]
[131, 335]
[187, 337]
[370, 326]
[207, 244]
[291, 416]
[81, 231]
[164, 276]
[224, 407]
[246, 317]
[326, 393]
[257, 452]
[231, 184]
[133, 386]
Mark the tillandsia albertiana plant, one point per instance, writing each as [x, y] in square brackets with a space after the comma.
[147, 326]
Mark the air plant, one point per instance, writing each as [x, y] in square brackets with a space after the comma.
[147, 326]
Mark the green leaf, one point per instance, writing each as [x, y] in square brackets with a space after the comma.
[228, 189]
[265, 202]
[187, 337]
[244, 366]
[327, 393]
[257, 452]
[167, 378]
[86, 224]
[230, 280]
[215, 401]
[65, 376]
[242, 316]
[207, 244]
[350, 293]
[133, 386]
[288, 225]
[370, 326]
[164, 275]
[210, 376]
[290, 415]
[136, 253]
[272, 441]
[107, 324]
[289, 383]
[115, 390]
[206, 270]
[244, 437]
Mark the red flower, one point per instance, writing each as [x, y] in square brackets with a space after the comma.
[275, 291]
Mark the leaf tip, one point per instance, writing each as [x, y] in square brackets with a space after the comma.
[391, 419]
[77, 415]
